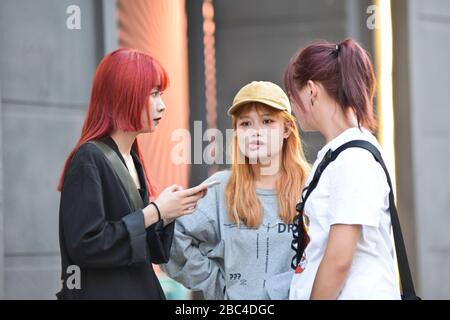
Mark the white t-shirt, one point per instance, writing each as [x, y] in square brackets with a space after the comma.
[352, 190]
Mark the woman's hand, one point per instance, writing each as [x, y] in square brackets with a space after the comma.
[174, 202]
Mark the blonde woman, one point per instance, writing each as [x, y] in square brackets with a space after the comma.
[237, 243]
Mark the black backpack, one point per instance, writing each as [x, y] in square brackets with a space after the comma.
[301, 239]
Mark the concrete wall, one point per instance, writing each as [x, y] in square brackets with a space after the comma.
[197, 99]
[46, 73]
[422, 77]
[2, 244]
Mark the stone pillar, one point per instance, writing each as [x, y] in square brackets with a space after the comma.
[421, 97]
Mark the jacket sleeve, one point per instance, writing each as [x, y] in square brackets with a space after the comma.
[90, 239]
[159, 240]
[196, 258]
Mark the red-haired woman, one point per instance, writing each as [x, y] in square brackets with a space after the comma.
[349, 254]
[111, 237]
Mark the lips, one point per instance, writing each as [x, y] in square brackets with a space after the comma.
[157, 119]
[253, 145]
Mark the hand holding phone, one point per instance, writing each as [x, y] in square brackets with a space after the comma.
[174, 201]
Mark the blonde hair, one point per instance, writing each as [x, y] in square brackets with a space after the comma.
[242, 202]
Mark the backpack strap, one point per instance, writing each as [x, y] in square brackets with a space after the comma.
[299, 245]
[123, 173]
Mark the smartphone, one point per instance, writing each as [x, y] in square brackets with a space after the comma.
[213, 183]
[209, 185]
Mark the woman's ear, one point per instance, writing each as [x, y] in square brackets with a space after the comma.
[312, 89]
[287, 130]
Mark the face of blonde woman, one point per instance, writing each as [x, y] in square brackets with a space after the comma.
[156, 108]
[260, 135]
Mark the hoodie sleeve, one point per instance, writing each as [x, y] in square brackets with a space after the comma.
[197, 253]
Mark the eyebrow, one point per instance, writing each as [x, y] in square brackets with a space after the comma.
[248, 117]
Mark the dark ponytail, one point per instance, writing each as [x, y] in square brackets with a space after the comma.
[344, 70]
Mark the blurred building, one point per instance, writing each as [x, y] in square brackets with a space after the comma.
[211, 49]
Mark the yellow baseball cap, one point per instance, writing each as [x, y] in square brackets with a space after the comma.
[265, 92]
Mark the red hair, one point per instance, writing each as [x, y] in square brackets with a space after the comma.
[121, 89]
[344, 70]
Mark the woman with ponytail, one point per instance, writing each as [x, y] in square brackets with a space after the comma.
[345, 231]
[108, 237]
[236, 245]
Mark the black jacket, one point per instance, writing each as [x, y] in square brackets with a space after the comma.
[104, 235]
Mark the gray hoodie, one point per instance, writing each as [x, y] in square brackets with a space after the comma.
[213, 255]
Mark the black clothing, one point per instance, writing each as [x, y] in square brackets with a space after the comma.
[102, 233]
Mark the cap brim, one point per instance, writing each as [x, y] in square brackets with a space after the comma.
[232, 110]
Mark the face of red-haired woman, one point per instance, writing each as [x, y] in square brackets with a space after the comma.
[156, 108]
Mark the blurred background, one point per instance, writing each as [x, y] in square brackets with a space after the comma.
[49, 50]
